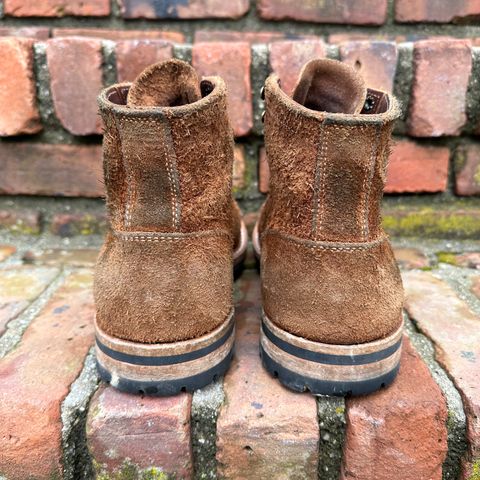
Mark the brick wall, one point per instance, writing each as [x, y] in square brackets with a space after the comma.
[57, 54]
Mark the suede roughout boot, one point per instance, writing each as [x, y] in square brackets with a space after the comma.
[163, 279]
[332, 292]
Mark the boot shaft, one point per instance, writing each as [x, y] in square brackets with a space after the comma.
[327, 169]
[168, 168]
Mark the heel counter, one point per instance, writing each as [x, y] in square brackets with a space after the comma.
[155, 288]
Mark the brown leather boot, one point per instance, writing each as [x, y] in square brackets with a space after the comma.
[332, 292]
[163, 280]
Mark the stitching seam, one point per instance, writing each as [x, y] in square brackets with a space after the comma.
[367, 184]
[319, 186]
[335, 247]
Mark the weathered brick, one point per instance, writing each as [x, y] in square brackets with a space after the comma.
[231, 61]
[38, 33]
[160, 427]
[400, 429]
[250, 37]
[263, 171]
[6, 251]
[18, 88]
[375, 61]
[110, 34]
[75, 66]
[22, 221]
[417, 168]
[239, 166]
[410, 258]
[441, 72]
[77, 257]
[36, 378]
[133, 56]
[56, 8]
[19, 286]
[71, 224]
[467, 170]
[184, 9]
[369, 12]
[47, 169]
[455, 331]
[288, 57]
[259, 434]
[414, 11]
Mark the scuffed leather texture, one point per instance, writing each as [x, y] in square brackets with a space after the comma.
[163, 291]
[343, 295]
[165, 271]
[328, 273]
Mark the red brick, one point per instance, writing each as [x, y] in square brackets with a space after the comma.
[232, 62]
[38, 33]
[288, 57]
[375, 61]
[239, 166]
[250, 37]
[49, 169]
[18, 88]
[263, 171]
[159, 426]
[75, 66]
[454, 329]
[133, 56]
[6, 251]
[400, 429]
[441, 73]
[259, 434]
[71, 224]
[20, 220]
[56, 8]
[414, 11]
[109, 34]
[467, 170]
[185, 9]
[417, 168]
[369, 12]
[36, 378]
[19, 287]
[410, 258]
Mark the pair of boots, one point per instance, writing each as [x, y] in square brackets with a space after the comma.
[332, 293]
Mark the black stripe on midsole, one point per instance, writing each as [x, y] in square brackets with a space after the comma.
[300, 383]
[166, 360]
[167, 387]
[327, 358]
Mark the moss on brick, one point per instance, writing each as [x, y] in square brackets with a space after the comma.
[475, 475]
[447, 257]
[433, 223]
[130, 471]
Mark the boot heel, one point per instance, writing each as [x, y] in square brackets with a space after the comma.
[165, 369]
[324, 369]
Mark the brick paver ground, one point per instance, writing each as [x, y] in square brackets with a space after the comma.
[262, 430]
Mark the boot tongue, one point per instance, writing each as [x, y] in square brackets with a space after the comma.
[330, 86]
[165, 84]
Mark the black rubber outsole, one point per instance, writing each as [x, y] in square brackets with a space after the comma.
[167, 388]
[300, 383]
